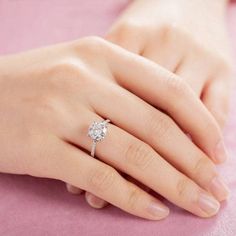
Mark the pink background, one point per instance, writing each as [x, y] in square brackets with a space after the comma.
[30, 206]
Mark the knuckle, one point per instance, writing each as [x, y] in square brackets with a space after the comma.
[128, 27]
[176, 86]
[102, 179]
[133, 197]
[168, 30]
[180, 94]
[95, 41]
[93, 44]
[65, 75]
[182, 187]
[173, 32]
[200, 166]
[63, 68]
[139, 155]
[123, 31]
[159, 126]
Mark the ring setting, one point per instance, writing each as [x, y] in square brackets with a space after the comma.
[97, 132]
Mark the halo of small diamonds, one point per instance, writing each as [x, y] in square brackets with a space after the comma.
[97, 130]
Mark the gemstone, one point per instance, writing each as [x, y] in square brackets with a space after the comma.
[97, 130]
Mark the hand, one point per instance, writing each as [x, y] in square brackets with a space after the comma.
[186, 37]
[50, 96]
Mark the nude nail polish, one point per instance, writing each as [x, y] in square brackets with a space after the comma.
[157, 211]
[208, 204]
[219, 188]
[96, 202]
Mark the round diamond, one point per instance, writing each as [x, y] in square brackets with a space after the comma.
[97, 130]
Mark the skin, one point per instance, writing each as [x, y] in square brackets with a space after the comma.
[50, 96]
[190, 40]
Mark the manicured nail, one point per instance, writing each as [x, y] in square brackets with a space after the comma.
[219, 189]
[220, 152]
[158, 211]
[208, 204]
[95, 201]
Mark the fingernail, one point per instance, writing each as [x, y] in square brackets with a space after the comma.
[95, 201]
[158, 211]
[73, 190]
[219, 189]
[220, 152]
[208, 204]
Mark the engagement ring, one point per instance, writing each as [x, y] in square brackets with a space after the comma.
[97, 131]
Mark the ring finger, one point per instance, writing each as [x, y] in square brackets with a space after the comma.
[132, 156]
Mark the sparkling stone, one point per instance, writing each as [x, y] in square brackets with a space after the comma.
[97, 130]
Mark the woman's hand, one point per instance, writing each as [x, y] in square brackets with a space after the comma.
[186, 37]
[50, 96]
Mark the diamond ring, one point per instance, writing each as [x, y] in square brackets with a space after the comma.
[97, 131]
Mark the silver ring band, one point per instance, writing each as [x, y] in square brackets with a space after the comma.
[97, 131]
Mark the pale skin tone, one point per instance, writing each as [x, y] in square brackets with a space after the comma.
[50, 96]
[186, 37]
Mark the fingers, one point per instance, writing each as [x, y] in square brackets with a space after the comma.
[132, 156]
[81, 170]
[160, 132]
[194, 72]
[166, 49]
[170, 93]
[216, 96]
[97, 202]
[92, 200]
[191, 73]
[137, 159]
